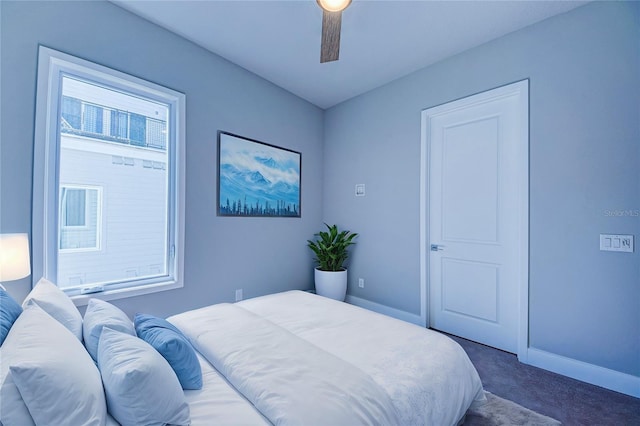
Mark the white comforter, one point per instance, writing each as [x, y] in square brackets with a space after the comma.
[427, 377]
[289, 380]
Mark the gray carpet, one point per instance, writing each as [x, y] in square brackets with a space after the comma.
[570, 401]
[498, 411]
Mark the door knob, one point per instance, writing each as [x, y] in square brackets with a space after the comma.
[436, 247]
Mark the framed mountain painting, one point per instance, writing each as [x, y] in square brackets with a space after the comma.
[257, 178]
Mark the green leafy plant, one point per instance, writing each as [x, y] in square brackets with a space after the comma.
[330, 248]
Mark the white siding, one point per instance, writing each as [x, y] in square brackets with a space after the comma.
[134, 229]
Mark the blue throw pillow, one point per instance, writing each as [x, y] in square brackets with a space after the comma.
[173, 346]
[10, 310]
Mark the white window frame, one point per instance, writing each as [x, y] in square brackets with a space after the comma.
[86, 188]
[52, 65]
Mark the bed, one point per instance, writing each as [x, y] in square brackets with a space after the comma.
[417, 376]
[290, 358]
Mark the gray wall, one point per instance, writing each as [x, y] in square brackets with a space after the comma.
[260, 255]
[584, 68]
[584, 71]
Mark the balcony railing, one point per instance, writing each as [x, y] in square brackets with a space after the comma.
[110, 124]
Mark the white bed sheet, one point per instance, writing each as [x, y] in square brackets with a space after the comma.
[217, 403]
[428, 376]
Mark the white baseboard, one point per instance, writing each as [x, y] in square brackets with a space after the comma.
[385, 310]
[596, 375]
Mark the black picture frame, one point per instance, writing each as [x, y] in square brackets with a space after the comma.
[257, 179]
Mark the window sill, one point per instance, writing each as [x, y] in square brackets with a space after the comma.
[122, 293]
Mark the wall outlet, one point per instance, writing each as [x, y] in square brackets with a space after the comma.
[238, 295]
[613, 242]
[361, 282]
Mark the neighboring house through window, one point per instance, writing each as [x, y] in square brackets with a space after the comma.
[80, 218]
[104, 221]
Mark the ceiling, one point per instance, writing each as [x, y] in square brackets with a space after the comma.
[381, 40]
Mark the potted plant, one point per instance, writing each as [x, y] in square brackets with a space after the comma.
[331, 252]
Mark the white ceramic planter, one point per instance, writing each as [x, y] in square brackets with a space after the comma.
[331, 284]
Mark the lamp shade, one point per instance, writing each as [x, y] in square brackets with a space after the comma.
[14, 257]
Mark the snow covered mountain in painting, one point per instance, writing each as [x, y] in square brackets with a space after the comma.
[256, 179]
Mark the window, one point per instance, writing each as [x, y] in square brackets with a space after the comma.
[108, 180]
[80, 218]
[119, 124]
[74, 207]
[91, 117]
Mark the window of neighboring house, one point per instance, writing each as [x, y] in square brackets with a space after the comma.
[92, 118]
[119, 124]
[118, 228]
[71, 112]
[80, 218]
[137, 131]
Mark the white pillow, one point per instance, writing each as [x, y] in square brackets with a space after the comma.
[54, 374]
[140, 385]
[13, 411]
[103, 314]
[57, 304]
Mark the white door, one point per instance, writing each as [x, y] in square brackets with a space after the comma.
[478, 215]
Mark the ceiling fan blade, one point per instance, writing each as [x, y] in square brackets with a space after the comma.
[330, 48]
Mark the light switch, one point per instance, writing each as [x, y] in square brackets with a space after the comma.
[360, 190]
[610, 242]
